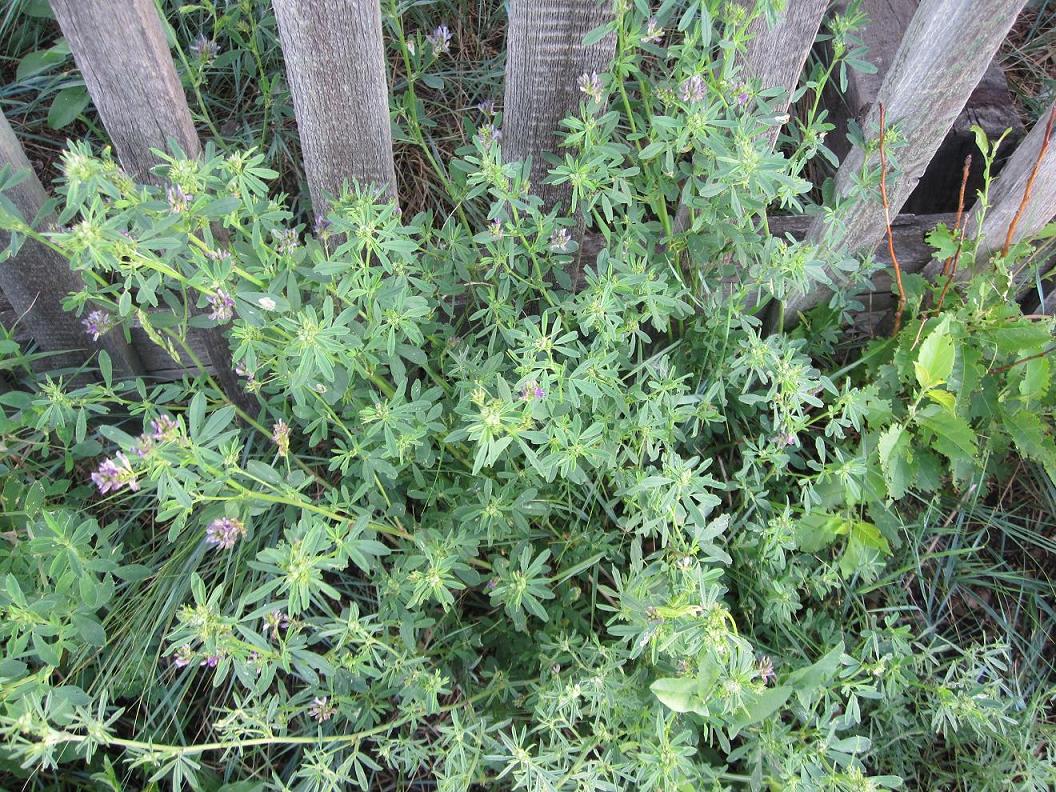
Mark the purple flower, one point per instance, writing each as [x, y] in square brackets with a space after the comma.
[97, 324]
[223, 533]
[653, 32]
[183, 656]
[113, 474]
[280, 435]
[742, 98]
[440, 40]
[765, 669]
[532, 392]
[285, 241]
[694, 89]
[486, 106]
[275, 621]
[590, 84]
[211, 661]
[242, 371]
[322, 224]
[205, 49]
[178, 199]
[164, 429]
[223, 306]
[321, 709]
[495, 227]
[560, 239]
[143, 446]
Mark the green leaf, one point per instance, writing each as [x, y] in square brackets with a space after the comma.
[864, 544]
[818, 530]
[218, 422]
[38, 62]
[1036, 379]
[953, 437]
[761, 707]
[106, 367]
[196, 414]
[676, 693]
[935, 360]
[67, 105]
[896, 460]
[820, 673]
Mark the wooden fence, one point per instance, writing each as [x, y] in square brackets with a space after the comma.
[932, 56]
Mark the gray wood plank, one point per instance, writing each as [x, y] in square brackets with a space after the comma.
[776, 54]
[121, 50]
[945, 51]
[1009, 188]
[989, 106]
[35, 281]
[545, 57]
[335, 65]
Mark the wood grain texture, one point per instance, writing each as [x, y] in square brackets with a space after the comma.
[545, 57]
[122, 53]
[35, 281]
[945, 51]
[775, 55]
[335, 65]
[989, 106]
[1008, 189]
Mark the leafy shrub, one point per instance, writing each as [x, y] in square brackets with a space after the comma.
[508, 512]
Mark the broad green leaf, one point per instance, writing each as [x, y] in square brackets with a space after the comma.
[1036, 378]
[676, 693]
[820, 673]
[761, 707]
[67, 105]
[896, 459]
[953, 437]
[935, 360]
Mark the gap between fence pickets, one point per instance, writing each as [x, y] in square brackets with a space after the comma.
[943, 55]
[989, 106]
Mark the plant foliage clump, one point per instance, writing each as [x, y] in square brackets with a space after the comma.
[526, 499]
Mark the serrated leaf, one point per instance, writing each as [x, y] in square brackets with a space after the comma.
[934, 362]
[953, 437]
[896, 460]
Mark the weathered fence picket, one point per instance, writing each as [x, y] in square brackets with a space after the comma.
[545, 58]
[122, 54]
[989, 106]
[775, 54]
[946, 48]
[1028, 163]
[35, 281]
[335, 65]
[121, 50]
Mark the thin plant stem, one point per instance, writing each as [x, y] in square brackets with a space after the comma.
[887, 222]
